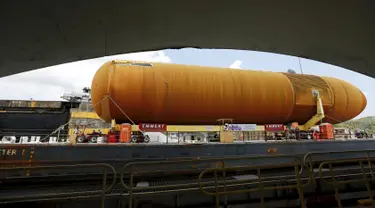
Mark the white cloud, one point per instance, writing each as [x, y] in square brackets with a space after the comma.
[236, 64]
[51, 82]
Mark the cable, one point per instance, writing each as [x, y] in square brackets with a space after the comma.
[143, 133]
[300, 65]
[334, 119]
[122, 111]
[93, 121]
[70, 121]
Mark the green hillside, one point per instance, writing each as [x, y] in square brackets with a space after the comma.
[362, 123]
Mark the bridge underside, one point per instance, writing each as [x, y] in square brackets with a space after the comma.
[37, 34]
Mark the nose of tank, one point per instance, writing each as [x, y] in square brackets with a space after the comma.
[364, 101]
[349, 101]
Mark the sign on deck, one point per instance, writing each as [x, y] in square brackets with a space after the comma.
[274, 127]
[240, 127]
[152, 127]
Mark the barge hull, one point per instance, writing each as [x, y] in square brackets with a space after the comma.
[85, 164]
[124, 153]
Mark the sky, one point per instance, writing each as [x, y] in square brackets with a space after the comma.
[51, 82]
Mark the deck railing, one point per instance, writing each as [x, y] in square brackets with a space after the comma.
[217, 177]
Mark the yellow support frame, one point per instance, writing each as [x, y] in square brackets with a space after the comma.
[317, 117]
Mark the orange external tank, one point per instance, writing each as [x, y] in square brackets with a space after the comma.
[182, 95]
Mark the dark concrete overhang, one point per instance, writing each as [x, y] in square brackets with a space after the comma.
[37, 34]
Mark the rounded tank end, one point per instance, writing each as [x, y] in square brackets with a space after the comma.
[99, 91]
[364, 101]
[349, 101]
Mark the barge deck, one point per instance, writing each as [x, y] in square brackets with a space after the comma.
[186, 175]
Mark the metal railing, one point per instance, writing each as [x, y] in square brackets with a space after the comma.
[105, 188]
[356, 159]
[260, 182]
[335, 183]
[215, 175]
[138, 169]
